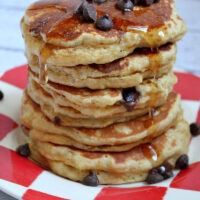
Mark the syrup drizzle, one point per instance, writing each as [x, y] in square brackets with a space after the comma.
[43, 66]
[149, 152]
[58, 19]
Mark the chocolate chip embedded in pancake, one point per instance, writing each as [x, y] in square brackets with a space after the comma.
[52, 31]
[117, 137]
[108, 103]
[134, 162]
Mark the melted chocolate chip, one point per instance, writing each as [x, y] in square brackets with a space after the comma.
[130, 98]
[89, 13]
[154, 178]
[125, 5]
[195, 129]
[91, 179]
[57, 120]
[23, 150]
[1, 95]
[104, 23]
[99, 1]
[182, 162]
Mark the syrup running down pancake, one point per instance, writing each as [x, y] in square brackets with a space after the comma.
[99, 106]
[59, 37]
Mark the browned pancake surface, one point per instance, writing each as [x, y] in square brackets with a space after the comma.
[57, 18]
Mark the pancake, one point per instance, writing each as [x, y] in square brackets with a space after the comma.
[85, 103]
[136, 162]
[59, 37]
[102, 101]
[64, 140]
[126, 72]
[117, 134]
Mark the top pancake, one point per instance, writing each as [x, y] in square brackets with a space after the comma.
[68, 37]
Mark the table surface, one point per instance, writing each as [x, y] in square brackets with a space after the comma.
[12, 45]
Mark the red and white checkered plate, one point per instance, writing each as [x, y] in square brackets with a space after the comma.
[23, 179]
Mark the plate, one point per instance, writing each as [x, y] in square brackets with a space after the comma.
[23, 179]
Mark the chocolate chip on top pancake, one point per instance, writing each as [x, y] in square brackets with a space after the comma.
[54, 32]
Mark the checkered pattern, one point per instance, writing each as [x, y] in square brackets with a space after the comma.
[24, 179]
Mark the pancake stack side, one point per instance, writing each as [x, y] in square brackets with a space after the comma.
[99, 107]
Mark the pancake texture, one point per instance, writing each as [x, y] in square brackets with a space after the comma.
[122, 73]
[153, 93]
[61, 43]
[99, 99]
[135, 162]
[116, 134]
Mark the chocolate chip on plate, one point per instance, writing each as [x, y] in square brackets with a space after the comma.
[89, 13]
[23, 150]
[154, 178]
[104, 23]
[130, 98]
[168, 175]
[125, 5]
[99, 1]
[165, 170]
[1, 95]
[57, 120]
[91, 179]
[182, 162]
[195, 129]
[160, 173]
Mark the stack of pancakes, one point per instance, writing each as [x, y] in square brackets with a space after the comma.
[103, 101]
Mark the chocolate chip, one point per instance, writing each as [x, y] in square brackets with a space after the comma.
[23, 150]
[144, 2]
[165, 170]
[182, 162]
[125, 5]
[168, 175]
[99, 1]
[154, 178]
[80, 9]
[89, 13]
[1, 95]
[91, 179]
[104, 23]
[57, 120]
[130, 98]
[160, 173]
[195, 129]
[167, 166]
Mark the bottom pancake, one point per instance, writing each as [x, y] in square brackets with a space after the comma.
[113, 168]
